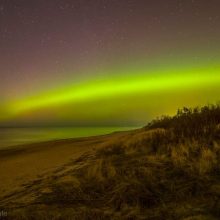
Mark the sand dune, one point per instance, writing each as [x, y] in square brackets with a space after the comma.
[166, 170]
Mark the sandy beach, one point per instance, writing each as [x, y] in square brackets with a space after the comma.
[20, 165]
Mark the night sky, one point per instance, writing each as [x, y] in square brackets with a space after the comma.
[106, 62]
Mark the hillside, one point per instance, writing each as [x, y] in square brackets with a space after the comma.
[169, 169]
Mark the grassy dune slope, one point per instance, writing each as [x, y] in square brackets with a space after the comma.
[168, 170]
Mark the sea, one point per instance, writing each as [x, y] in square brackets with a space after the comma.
[19, 136]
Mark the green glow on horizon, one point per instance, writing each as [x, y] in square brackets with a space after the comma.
[122, 85]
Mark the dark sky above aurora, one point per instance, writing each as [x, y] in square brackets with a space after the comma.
[106, 62]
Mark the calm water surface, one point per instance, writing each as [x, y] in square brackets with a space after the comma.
[16, 136]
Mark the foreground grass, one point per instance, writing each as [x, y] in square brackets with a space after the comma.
[168, 170]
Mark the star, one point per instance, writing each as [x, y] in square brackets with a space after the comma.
[1, 9]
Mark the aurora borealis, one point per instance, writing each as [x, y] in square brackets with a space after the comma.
[106, 62]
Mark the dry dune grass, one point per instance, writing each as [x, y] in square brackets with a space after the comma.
[163, 171]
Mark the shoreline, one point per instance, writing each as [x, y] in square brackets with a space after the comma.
[15, 137]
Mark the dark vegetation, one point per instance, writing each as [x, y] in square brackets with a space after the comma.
[188, 123]
[170, 169]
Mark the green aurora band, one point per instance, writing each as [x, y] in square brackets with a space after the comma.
[120, 85]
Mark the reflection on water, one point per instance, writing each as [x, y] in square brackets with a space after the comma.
[16, 136]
